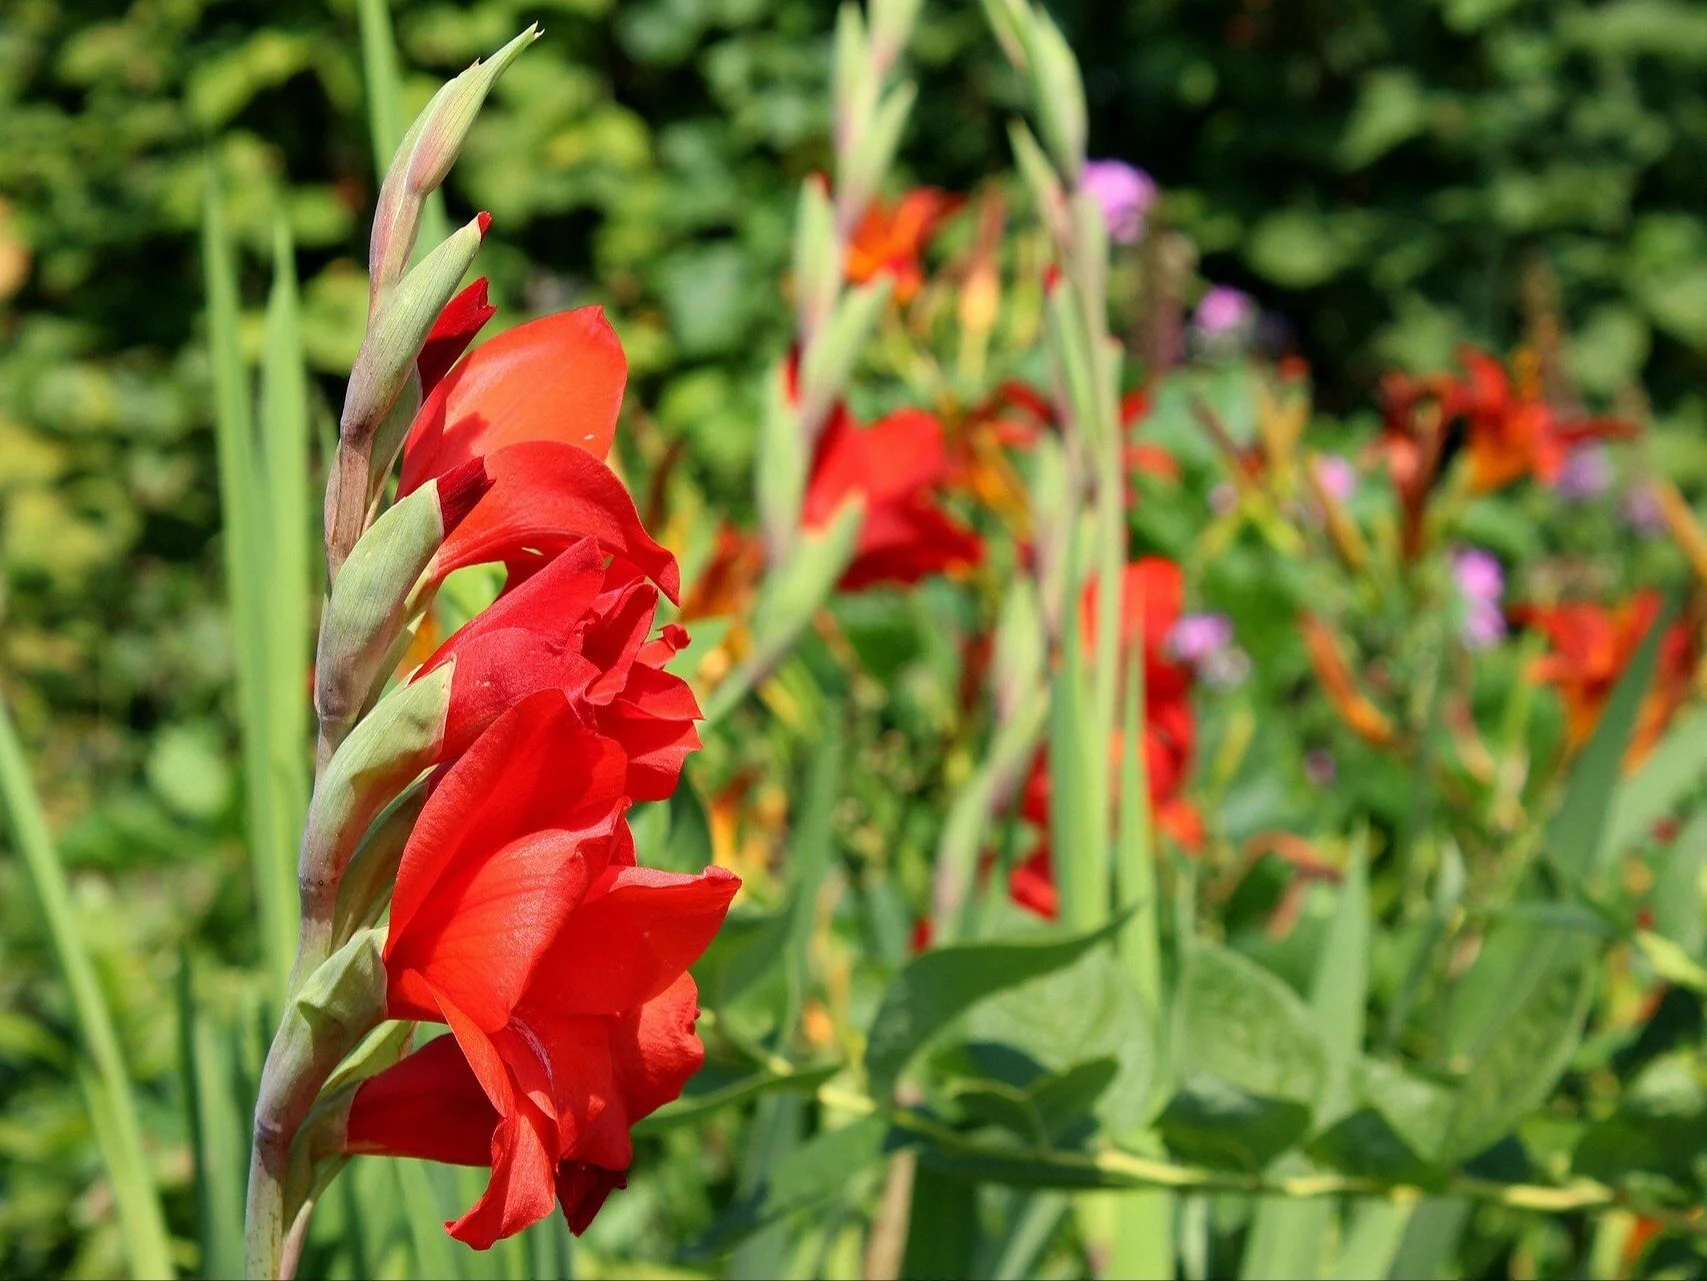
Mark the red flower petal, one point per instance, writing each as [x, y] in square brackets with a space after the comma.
[526, 641]
[455, 328]
[507, 785]
[428, 1106]
[558, 378]
[523, 1188]
[634, 935]
[546, 496]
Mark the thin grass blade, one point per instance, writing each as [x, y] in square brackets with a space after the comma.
[105, 1080]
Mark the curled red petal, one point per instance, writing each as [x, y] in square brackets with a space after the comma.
[546, 496]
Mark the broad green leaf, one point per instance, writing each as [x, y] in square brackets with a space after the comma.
[821, 1169]
[1518, 1069]
[105, 1081]
[1211, 1121]
[1678, 908]
[1086, 1012]
[933, 989]
[1657, 1131]
[1674, 769]
[1244, 1025]
[710, 1090]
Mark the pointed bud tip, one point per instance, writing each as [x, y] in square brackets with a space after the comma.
[484, 220]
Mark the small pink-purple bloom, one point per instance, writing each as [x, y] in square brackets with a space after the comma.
[1587, 473]
[1197, 637]
[1337, 476]
[1481, 582]
[1125, 194]
[1223, 311]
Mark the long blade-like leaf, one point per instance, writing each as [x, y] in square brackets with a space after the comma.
[106, 1083]
[247, 571]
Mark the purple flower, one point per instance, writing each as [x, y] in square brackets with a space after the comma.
[1125, 194]
[1481, 583]
[1223, 312]
[1337, 476]
[1478, 575]
[1587, 473]
[1198, 637]
[1642, 511]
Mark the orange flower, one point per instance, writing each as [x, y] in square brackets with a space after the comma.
[1363, 718]
[892, 238]
[1591, 646]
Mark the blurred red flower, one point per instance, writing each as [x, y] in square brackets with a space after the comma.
[893, 237]
[1591, 645]
[898, 466]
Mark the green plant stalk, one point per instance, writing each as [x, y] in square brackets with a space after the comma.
[248, 569]
[1117, 1168]
[106, 1083]
[285, 448]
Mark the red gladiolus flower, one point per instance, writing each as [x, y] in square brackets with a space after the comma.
[580, 627]
[893, 239]
[520, 920]
[538, 405]
[1590, 648]
[897, 466]
[1152, 594]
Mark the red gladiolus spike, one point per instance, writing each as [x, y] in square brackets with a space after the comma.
[637, 930]
[545, 496]
[558, 378]
[429, 1106]
[463, 318]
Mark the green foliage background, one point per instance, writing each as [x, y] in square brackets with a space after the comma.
[1380, 173]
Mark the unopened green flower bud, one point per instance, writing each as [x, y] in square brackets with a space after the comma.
[396, 334]
[423, 159]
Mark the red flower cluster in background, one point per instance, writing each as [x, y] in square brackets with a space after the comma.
[1152, 594]
[892, 239]
[519, 918]
[1511, 429]
[898, 466]
[1591, 645]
